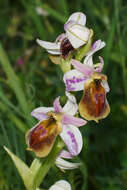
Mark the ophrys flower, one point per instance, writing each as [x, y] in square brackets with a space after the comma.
[88, 77]
[55, 121]
[76, 34]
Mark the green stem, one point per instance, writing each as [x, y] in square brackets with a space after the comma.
[121, 46]
[54, 13]
[8, 103]
[18, 123]
[31, 10]
[15, 84]
[40, 170]
[13, 80]
[109, 43]
[124, 75]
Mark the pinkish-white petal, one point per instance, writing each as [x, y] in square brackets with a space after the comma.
[40, 113]
[78, 17]
[71, 106]
[74, 80]
[78, 35]
[96, 47]
[60, 37]
[53, 48]
[68, 24]
[105, 85]
[72, 138]
[88, 61]
[83, 68]
[69, 119]
[65, 154]
[61, 185]
[54, 52]
[99, 66]
[56, 105]
[65, 165]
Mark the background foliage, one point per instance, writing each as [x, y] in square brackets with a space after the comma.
[31, 80]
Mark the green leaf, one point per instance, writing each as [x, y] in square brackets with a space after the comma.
[18, 122]
[23, 169]
[14, 80]
[33, 176]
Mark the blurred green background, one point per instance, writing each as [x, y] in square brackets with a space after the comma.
[31, 80]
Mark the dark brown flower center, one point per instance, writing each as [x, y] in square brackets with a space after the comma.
[65, 48]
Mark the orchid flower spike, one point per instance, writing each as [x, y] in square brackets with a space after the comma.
[76, 34]
[61, 185]
[55, 121]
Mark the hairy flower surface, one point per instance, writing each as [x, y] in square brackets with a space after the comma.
[76, 34]
[53, 121]
[94, 105]
[61, 185]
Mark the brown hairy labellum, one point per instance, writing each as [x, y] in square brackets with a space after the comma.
[40, 138]
[93, 105]
[65, 48]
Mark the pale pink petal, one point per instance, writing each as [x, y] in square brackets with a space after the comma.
[71, 106]
[69, 119]
[83, 68]
[78, 35]
[65, 165]
[64, 184]
[75, 18]
[61, 185]
[98, 67]
[74, 80]
[60, 37]
[98, 45]
[78, 17]
[105, 85]
[40, 113]
[72, 138]
[57, 105]
[54, 52]
[68, 24]
[53, 48]
[88, 61]
[65, 154]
